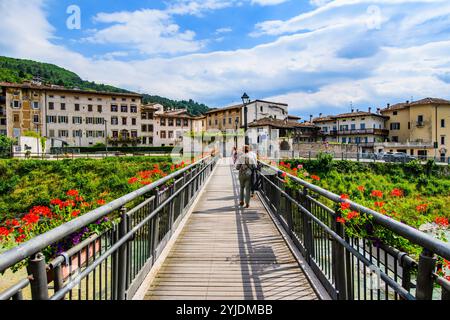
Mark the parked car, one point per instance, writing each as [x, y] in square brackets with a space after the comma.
[398, 157]
[385, 156]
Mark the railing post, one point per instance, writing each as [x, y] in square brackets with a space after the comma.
[122, 256]
[289, 214]
[58, 281]
[427, 263]
[171, 209]
[37, 269]
[307, 227]
[339, 263]
[155, 233]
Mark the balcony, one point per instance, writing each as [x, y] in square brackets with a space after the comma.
[408, 144]
[380, 132]
[420, 124]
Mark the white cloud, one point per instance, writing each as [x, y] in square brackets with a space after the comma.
[223, 30]
[268, 2]
[149, 31]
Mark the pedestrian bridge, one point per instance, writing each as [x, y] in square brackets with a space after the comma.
[185, 237]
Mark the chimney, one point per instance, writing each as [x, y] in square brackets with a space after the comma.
[379, 110]
[407, 101]
[353, 110]
[310, 117]
[370, 110]
[320, 115]
[388, 105]
[357, 110]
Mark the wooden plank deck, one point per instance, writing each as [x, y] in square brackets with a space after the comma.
[225, 252]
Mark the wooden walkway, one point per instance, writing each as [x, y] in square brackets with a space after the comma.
[225, 252]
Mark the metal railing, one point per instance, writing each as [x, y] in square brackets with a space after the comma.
[111, 265]
[360, 156]
[352, 268]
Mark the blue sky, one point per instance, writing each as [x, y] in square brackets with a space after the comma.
[319, 56]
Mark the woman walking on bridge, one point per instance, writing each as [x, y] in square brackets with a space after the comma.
[246, 164]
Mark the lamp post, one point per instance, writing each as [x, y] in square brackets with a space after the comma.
[245, 101]
[106, 136]
[236, 134]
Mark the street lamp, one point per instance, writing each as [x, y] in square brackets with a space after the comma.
[245, 100]
[106, 136]
[236, 134]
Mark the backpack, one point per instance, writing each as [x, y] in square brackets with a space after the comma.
[245, 168]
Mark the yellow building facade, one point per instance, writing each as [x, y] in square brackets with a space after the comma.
[419, 128]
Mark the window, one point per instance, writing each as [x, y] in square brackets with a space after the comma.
[224, 121]
[216, 122]
[35, 105]
[114, 121]
[63, 106]
[230, 120]
[144, 140]
[170, 134]
[362, 126]
[442, 123]
[113, 99]
[124, 121]
[51, 133]
[114, 108]
[51, 119]
[261, 109]
[90, 99]
[124, 108]
[409, 125]
[144, 115]
[77, 98]
[395, 113]
[133, 121]
[344, 140]
[63, 119]
[170, 122]
[353, 127]
[100, 134]
[99, 99]
[77, 107]
[90, 133]
[442, 139]
[133, 109]
[124, 99]
[77, 120]
[63, 133]
[395, 126]
[115, 134]
[150, 128]
[394, 139]
[186, 122]
[210, 122]
[63, 97]
[420, 118]
[134, 133]
[163, 122]
[99, 108]
[77, 133]
[178, 122]
[36, 118]
[163, 134]
[51, 106]
[90, 108]
[144, 128]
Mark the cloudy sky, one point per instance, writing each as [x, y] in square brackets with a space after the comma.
[317, 55]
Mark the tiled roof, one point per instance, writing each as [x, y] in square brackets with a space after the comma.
[421, 102]
[281, 124]
[236, 106]
[63, 89]
[348, 115]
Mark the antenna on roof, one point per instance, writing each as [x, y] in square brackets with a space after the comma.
[351, 106]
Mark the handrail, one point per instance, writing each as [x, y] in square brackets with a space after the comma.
[418, 237]
[36, 244]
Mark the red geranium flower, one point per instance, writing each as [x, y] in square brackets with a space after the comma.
[4, 232]
[30, 218]
[72, 193]
[361, 188]
[377, 194]
[379, 204]
[284, 174]
[317, 178]
[345, 206]
[352, 215]
[56, 202]
[345, 196]
[101, 202]
[133, 180]
[397, 193]
[75, 213]
[442, 221]
[340, 220]
[422, 207]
